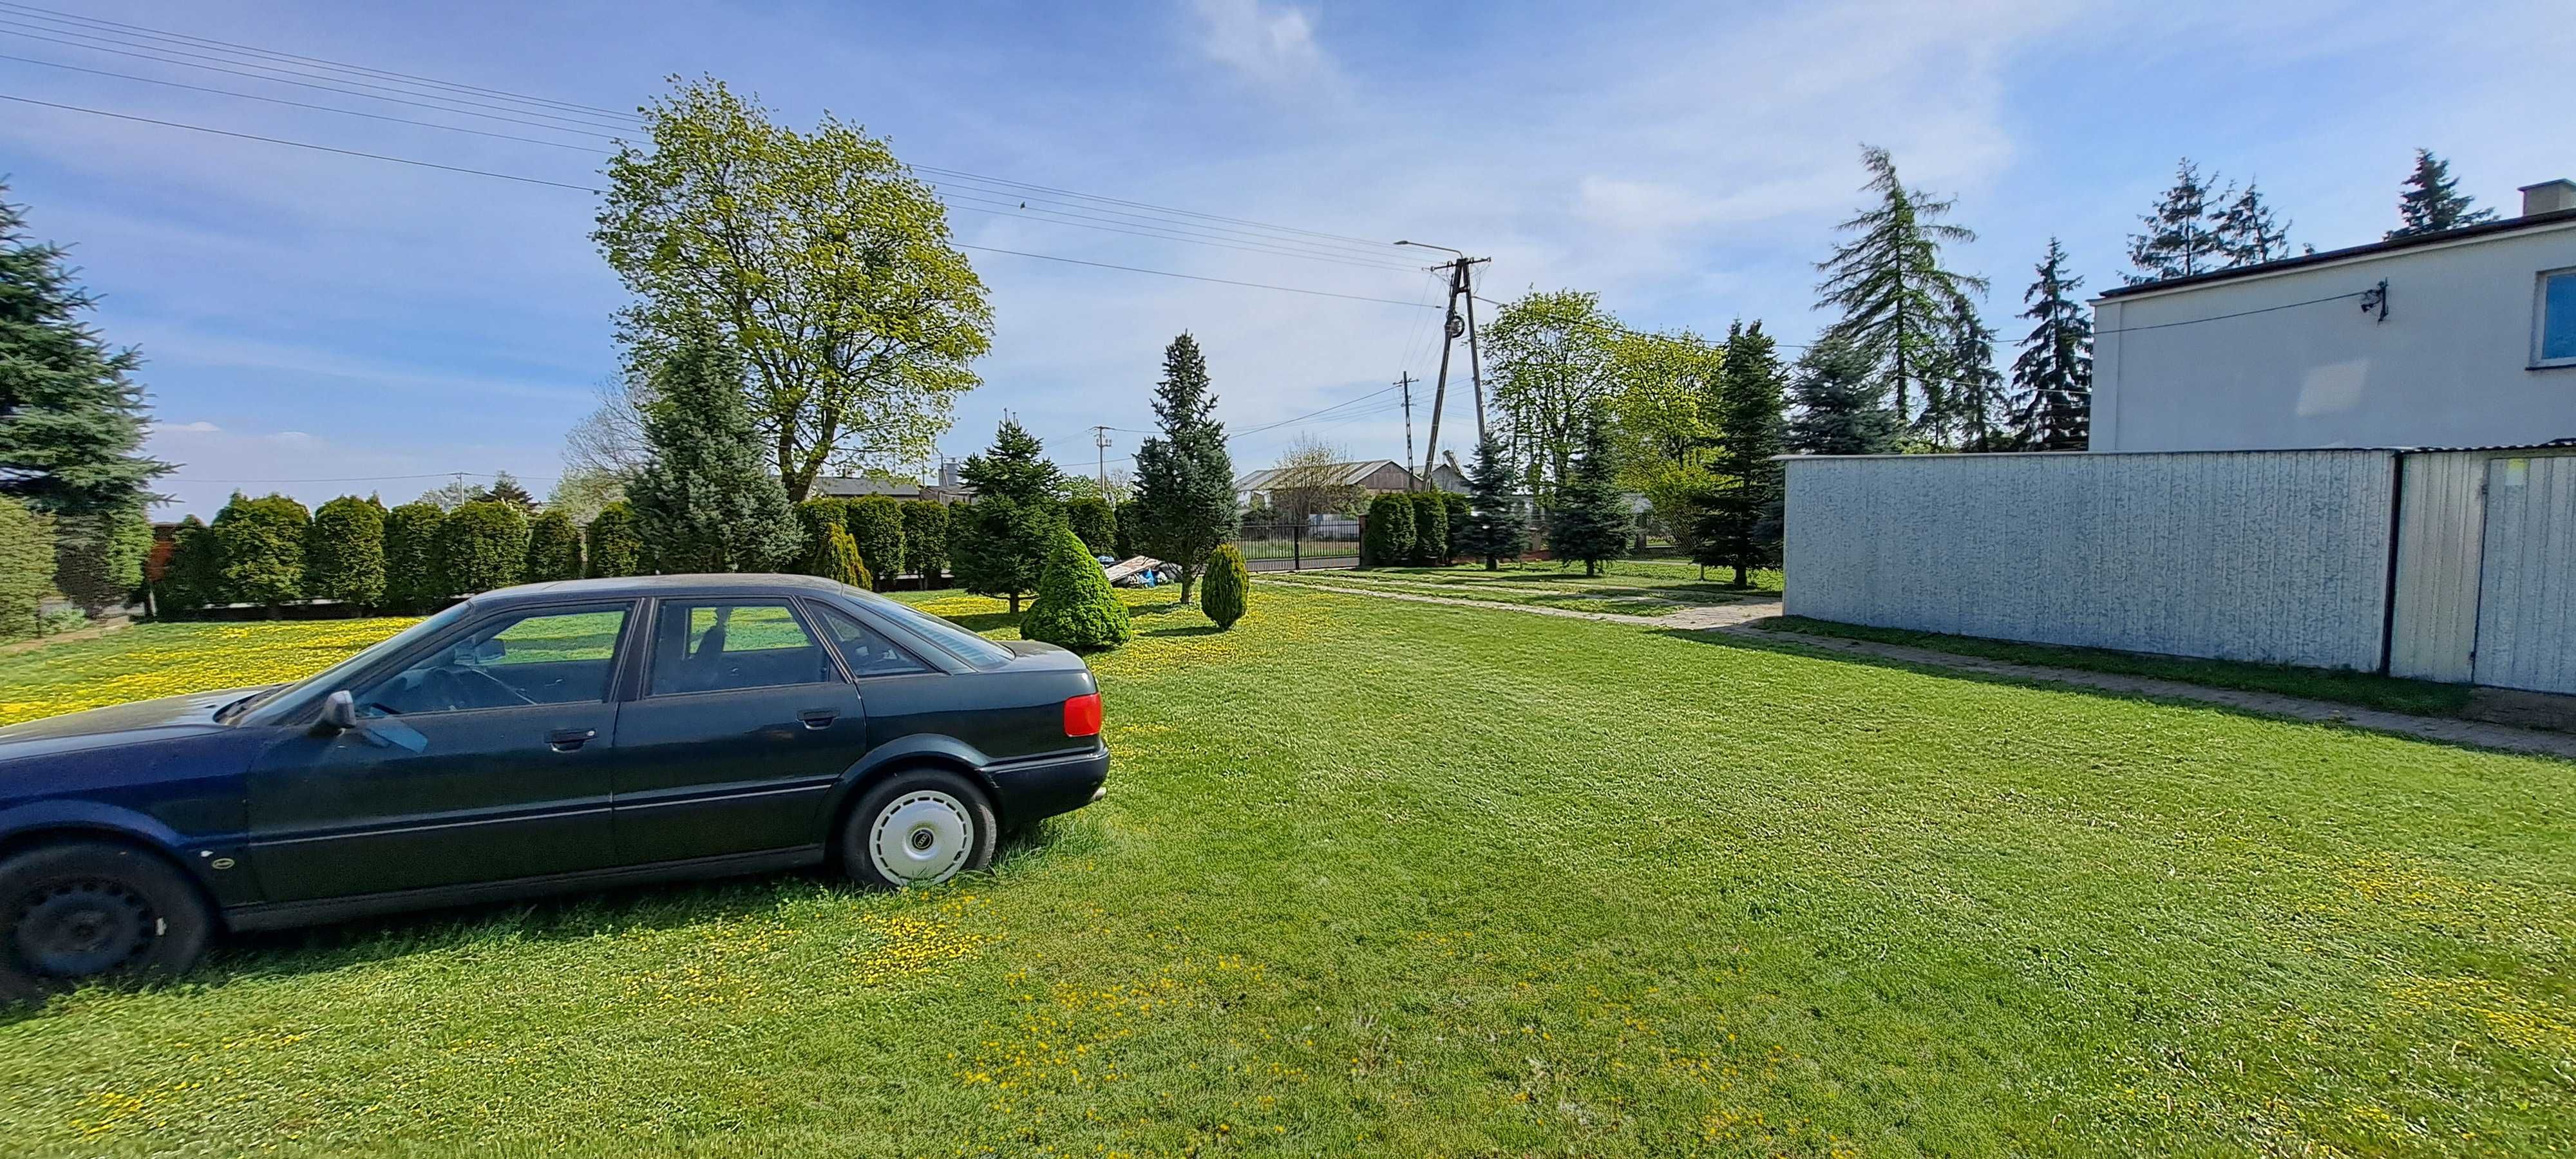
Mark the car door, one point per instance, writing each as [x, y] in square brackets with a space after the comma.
[483, 758]
[743, 723]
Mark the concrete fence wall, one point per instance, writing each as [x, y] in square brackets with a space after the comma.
[2273, 556]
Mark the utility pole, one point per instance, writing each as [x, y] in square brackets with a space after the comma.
[1405, 383]
[1451, 328]
[1100, 444]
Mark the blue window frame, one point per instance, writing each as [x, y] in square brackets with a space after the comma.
[2555, 340]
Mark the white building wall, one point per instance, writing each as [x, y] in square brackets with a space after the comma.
[2451, 365]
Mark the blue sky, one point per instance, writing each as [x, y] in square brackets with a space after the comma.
[315, 318]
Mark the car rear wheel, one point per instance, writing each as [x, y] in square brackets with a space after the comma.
[917, 828]
[84, 911]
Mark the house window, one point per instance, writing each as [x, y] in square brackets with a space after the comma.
[2556, 337]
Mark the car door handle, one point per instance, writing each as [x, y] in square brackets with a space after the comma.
[819, 717]
[566, 740]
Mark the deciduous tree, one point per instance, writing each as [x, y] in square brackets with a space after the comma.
[1551, 362]
[822, 261]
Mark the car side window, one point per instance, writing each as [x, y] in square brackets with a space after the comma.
[718, 645]
[864, 649]
[542, 656]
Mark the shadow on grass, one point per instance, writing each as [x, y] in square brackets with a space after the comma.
[577, 916]
[1789, 642]
[985, 621]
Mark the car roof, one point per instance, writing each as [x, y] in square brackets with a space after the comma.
[628, 587]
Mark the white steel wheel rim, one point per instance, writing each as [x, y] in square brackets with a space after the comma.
[921, 838]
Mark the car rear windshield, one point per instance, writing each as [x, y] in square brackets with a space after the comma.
[968, 646]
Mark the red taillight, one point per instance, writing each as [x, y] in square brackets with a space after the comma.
[1082, 715]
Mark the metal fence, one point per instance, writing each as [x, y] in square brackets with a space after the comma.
[1295, 546]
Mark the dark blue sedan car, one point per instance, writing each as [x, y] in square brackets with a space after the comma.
[534, 740]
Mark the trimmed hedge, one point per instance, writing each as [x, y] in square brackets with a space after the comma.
[1430, 529]
[1227, 591]
[925, 539]
[1387, 538]
[482, 546]
[262, 543]
[839, 561]
[1095, 523]
[344, 552]
[1076, 607]
[614, 548]
[98, 559]
[413, 579]
[876, 526]
[1124, 519]
[26, 567]
[554, 549]
[193, 577]
[1460, 513]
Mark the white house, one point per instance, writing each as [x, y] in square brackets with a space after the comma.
[2462, 338]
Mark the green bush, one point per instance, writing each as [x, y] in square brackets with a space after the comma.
[56, 621]
[1094, 522]
[614, 549]
[1075, 607]
[193, 575]
[414, 581]
[925, 540]
[876, 526]
[839, 560]
[1459, 514]
[344, 552]
[816, 520]
[1430, 529]
[481, 546]
[1386, 537]
[98, 559]
[1227, 591]
[262, 544]
[554, 549]
[1124, 519]
[26, 567]
[998, 545]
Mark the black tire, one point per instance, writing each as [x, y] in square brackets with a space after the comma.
[83, 911]
[931, 825]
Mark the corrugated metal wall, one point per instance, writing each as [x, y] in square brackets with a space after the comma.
[2527, 594]
[2439, 534]
[2277, 557]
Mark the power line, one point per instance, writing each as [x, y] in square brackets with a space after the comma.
[1190, 277]
[93, 21]
[1030, 215]
[1166, 223]
[306, 145]
[2238, 314]
[302, 105]
[324, 88]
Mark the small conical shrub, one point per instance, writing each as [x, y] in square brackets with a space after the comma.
[837, 558]
[1227, 590]
[1075, 606]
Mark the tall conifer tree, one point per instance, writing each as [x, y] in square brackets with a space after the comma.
[1899, 303]
[1739, 526]
[2055, 369]
[2182, 234]
[2432, 201]
[1184, 477]
[1494, 530]
[71, 418]
[2248, 234]
[999, 543]
[706, 500]
[1840, 407]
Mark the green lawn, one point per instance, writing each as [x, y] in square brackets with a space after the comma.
[1631, 588]
[2365, 689]
[1394, 878]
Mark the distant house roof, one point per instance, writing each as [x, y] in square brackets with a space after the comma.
[2464, 233]
[1328, 475]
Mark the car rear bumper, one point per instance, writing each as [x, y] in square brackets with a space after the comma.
[1045, 786]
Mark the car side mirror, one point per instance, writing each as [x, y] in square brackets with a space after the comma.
[340, 711]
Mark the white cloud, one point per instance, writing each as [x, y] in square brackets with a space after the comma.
[1271, 43]
[199, 427]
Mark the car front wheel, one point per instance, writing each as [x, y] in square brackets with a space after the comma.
[83, 911]
[917, 828]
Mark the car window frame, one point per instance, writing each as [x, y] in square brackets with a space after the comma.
[641, 670]
[624, 646]
[851, 671]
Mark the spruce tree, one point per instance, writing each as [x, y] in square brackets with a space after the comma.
[26, 568]
[2054, 373]
[1898, 302]
[2182, 235]
[1974, 411]
[2247, 234]
[71, 419]
[998, 544]
[706, 500]
[2432, 201]
[1591, 521]
[1739, 525]
[1184, 477]
[1495, 530]
[505, 488]
[1839, 408]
